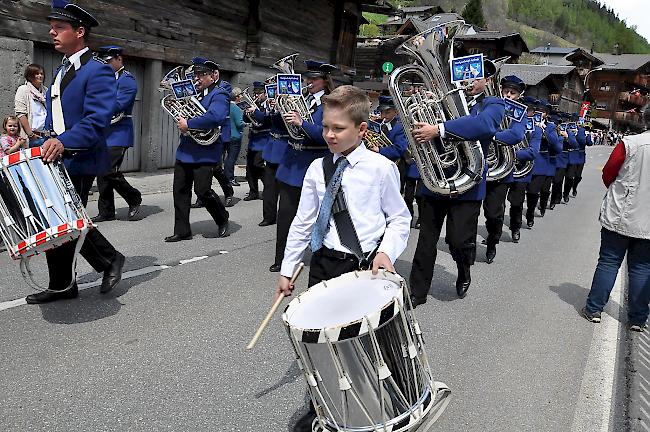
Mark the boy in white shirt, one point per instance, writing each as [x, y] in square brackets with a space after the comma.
[369, 193]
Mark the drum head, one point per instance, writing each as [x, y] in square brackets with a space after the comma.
[345, 301]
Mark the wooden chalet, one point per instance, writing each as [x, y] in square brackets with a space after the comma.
[244, 37]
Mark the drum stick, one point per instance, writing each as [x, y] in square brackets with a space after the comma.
[275, 307]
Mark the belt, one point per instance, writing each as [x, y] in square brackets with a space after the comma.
[260, 131]
[331, 253]
[280, 136]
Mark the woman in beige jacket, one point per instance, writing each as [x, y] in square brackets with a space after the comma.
[29, 103]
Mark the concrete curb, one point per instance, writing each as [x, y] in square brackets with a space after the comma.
[638, 377]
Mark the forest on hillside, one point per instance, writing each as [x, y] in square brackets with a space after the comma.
[580, 22]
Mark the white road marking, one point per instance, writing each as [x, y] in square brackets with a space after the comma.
[126, 275]
[597, 388]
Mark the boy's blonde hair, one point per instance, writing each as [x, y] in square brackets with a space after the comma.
[352, 100]
[6, 120]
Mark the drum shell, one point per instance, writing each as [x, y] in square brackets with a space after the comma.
[39, 207]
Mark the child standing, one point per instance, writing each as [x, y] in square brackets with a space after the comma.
[10, 141]
[367, 184]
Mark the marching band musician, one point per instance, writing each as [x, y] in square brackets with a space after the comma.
[257, 139]
[272, 155]
[392, 127]
[119, 139]
[577, 140]
[486, 114]
[294, 163]
[561, 162]
[539, 188]
[494, 204]
[194, 162]
[519, 185]
[79, 106]
[584, 140]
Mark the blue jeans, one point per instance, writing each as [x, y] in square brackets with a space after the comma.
[232, 153]
[613, 247]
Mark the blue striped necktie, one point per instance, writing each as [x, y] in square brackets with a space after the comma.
[322, 222]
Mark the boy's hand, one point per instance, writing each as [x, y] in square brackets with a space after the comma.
[284, 287]
[382, 261]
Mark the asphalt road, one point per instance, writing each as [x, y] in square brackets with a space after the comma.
[166, 349]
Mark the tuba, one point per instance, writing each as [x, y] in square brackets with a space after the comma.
[188, 107]
[501, 158]
[249, 100]
[448, 166]
[288, 103]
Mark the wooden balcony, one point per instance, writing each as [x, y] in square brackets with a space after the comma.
[642, 80]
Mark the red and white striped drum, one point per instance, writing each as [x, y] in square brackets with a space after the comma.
[39, 207]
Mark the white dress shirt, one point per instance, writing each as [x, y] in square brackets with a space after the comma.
[75, 60]
[372, 193]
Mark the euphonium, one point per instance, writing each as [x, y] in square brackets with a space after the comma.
[447, 167]
[501, 158]
[249, 99]
[288, 103]
[186, 108]
[374, 140]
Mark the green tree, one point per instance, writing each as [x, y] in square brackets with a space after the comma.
[473, 13]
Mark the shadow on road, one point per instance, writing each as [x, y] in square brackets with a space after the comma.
[145, 211]
[443, 285]
[208, 229]
[572, 294]
[91, 305]
[290, 376]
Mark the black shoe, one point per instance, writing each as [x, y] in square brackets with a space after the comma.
[266, 223]
[551, 206]
[484, 242]
[516, 235]
[47, 297]
[228, 201]
[176, 238]
[274, 268]
[223, 229]
[103, 218]
[566, 199]
[593, 317]
[530, 223]
[542, 212]
[197, 204]
[113, 275]
[417, 301]
[251, 197]
[235, 183]
[304, 423]
[464, 280]
[133, 211]
[491, 253]
[574, 193]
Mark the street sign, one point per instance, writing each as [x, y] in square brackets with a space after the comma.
[387, 67]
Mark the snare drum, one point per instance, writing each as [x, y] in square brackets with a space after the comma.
[363, 355]
[39, 207]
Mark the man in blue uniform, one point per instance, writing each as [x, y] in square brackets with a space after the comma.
[462, 212]
[517, 192]
[298, 156]
[494, 204]
[561, 163]
[544, 166]
[257, 139]
[79, 108]
[577, 140]
[119, 139]
[584, 140]
[195, 162]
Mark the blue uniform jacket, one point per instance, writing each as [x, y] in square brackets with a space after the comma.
[562, 159]
[217, 105]
[259, 135]
[511, 136]
[87, 98]
[278, 140]
[481, 124]
[550, 145]
[294, 163]
[583, 141]
[574, 148]
[529, 153]
[397, 136]
[120, 134]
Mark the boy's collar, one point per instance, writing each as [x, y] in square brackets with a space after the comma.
[354, 156]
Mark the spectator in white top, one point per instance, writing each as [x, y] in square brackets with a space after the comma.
[29, 103]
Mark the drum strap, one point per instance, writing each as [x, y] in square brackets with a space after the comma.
[58, 124]
[343, 220]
